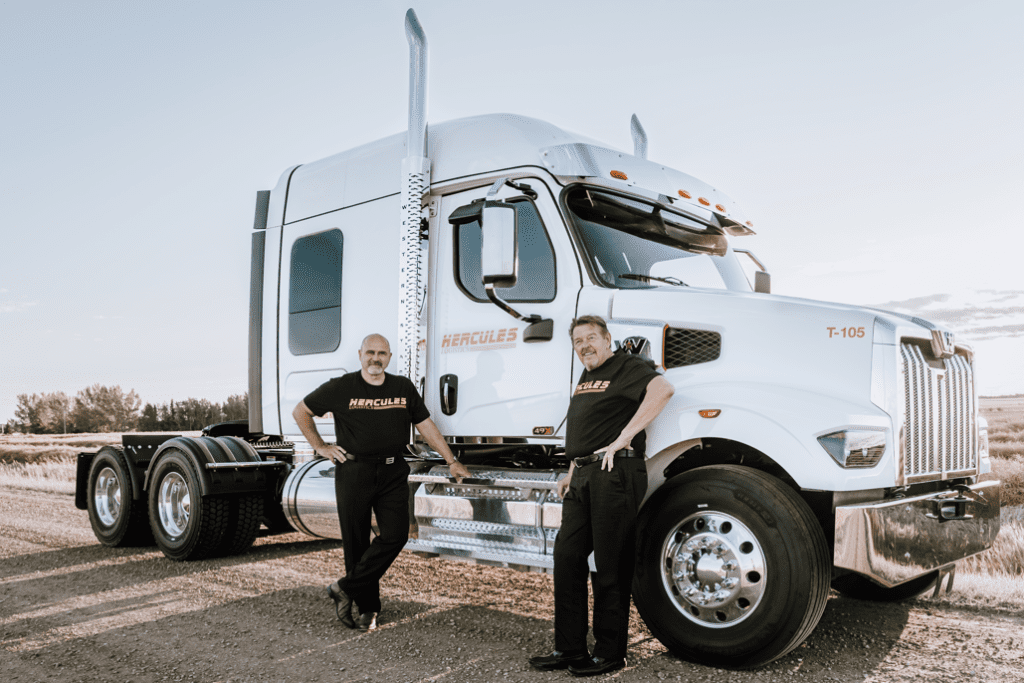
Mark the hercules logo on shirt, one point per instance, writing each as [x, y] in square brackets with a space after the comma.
[376, 403]
[595, 387]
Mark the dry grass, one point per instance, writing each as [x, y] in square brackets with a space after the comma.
[56, 475]
[984, 590]
[47, 462]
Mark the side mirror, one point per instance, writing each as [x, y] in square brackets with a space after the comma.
[498, 249]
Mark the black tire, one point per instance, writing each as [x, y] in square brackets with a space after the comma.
[245, 515]
[862, 588]
[747, 546]
[186, 526]
[117, 519]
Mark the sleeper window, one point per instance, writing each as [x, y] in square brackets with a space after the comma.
[314, 299]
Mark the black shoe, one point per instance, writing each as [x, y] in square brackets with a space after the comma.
[596, 665]
[560, 660]
[367, 621]
[342, 604]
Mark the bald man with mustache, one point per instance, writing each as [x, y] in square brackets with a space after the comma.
[373, 412]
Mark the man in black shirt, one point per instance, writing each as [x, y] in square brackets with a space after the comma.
[616, 397]
[373, 412]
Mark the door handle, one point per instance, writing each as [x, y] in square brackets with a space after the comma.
[449, 394]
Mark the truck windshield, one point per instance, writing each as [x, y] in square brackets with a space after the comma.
[633, 243]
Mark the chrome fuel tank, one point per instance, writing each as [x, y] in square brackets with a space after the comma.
[505, 517]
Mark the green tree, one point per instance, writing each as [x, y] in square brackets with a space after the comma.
[196, 413]
[26, 413]
[149, 420]
[105, 409]
[237, 407]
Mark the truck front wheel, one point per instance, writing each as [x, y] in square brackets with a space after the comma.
[186, 525]
[732, 567]
[116, 517]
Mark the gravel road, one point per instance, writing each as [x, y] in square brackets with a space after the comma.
[73, 610]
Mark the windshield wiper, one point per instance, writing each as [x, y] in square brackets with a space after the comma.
[670, 280]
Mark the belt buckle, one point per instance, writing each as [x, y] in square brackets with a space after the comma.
[389, 461]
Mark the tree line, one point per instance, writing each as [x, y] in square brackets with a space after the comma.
[110, 409]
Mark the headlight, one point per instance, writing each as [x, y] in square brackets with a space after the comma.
[855, 448]
[984, 461]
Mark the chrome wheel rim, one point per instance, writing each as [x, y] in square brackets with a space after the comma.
[713, 569]
[107, 497]
[174, 505]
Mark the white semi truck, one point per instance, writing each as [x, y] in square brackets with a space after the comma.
[808, 444]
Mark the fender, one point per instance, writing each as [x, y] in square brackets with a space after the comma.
[782, 423]
[224, 464]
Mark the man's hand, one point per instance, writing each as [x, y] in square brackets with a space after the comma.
[332, 452]
[608, 462]
[459, 471]
[563, 484]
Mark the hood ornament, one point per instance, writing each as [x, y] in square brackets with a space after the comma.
[943, 344]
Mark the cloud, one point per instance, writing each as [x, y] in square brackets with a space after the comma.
[15, 308]
[977, 314]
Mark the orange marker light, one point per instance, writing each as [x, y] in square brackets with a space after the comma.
[750, 224]
[710, 413]
[619, 175]
[685, 195]
[720, 208]
[703, 201]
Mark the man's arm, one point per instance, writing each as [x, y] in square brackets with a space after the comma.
[304, 418]
[432, 435]
[659, 392]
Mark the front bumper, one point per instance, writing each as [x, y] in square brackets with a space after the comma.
[894, 541]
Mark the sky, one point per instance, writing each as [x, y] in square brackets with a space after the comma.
[878, 148]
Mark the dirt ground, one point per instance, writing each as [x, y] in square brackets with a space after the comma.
[73, 610]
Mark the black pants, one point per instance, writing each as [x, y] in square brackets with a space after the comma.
[361, 487]
[599, 516]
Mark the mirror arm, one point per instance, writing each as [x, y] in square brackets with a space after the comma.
[505, 307]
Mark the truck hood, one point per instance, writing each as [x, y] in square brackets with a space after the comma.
[660, 303]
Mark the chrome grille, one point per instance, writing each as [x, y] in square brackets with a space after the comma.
[938, 413]
[689, 347]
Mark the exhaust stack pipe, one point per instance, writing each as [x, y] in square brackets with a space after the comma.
[417, 139]
[415, 183]
[639, 137]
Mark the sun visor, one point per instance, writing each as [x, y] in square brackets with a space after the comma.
[580, 159]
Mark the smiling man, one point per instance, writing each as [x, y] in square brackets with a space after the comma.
[373, 412]
[616, 397]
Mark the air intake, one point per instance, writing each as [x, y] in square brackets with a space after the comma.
[691, 347]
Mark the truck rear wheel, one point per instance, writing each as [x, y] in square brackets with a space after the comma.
[186, 525]
[117, 519]
[732, 567]
[862, 588]
[244, 517]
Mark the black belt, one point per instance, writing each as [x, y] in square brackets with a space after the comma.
[378, 459]
[594, 457]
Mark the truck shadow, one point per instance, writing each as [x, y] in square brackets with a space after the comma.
[852, 639]
[62, 579]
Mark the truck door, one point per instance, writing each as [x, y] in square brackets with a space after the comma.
[496, 384]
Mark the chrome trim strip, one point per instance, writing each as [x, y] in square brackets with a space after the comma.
[239, 465]
[894, 541]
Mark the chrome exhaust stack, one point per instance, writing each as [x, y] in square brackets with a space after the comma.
[639, 138]
[415, 184]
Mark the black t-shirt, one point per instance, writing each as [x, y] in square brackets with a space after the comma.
[604, 401]
[368, 419]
